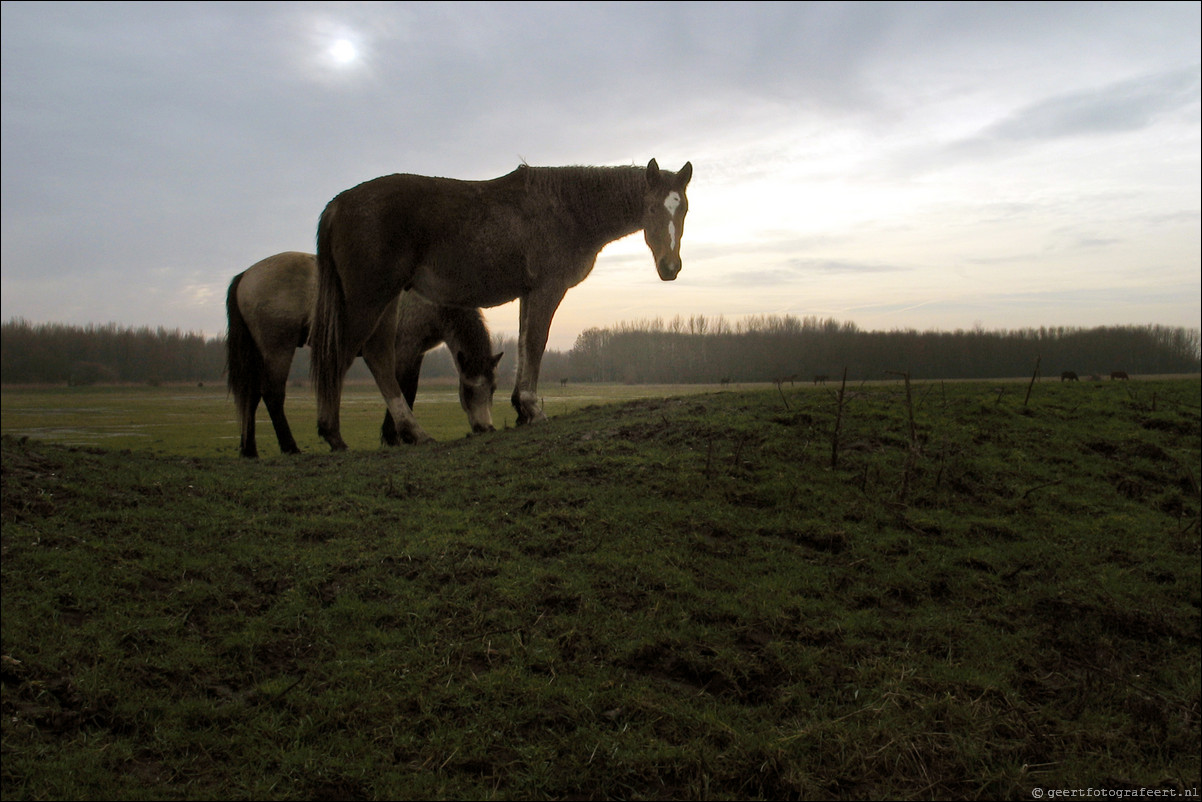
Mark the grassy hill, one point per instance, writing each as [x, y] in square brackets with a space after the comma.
[955, 591]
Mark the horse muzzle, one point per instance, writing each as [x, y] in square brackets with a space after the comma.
[668, 268]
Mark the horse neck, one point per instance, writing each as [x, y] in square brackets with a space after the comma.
[604, 203]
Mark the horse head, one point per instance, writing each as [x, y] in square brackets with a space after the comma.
[664, 208]
[477, 383]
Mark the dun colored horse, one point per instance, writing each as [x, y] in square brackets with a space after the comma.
[532, 234]
[270, 307]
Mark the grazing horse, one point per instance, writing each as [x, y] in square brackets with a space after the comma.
[532, 234]
[270, 307]
[1068, 376]
[1119, 374]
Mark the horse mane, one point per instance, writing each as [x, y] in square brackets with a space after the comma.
[593, 193]
[574, 177]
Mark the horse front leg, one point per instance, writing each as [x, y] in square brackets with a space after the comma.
[534, 324]
[379, 352]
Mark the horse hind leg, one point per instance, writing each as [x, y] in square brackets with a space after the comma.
[379, 352]
[329, 396]
[283, 433]
[275, 383]
[355, 331]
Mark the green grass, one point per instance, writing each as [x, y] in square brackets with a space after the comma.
[665, 598]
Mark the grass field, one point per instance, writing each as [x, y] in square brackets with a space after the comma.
[202, 421]
[946, 591]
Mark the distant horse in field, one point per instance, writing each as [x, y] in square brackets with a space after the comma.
[1068, 376]
[1120, 375]
[821, 378]
[532, 234]
[270, 306]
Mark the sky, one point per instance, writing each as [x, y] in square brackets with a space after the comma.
[918, 166]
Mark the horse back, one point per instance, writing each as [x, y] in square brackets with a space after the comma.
[463, 243]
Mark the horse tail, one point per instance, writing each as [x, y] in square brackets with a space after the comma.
[243, 361]
[325, 332]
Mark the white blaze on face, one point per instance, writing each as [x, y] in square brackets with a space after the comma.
[672, 203]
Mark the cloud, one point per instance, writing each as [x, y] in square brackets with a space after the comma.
[1116, 108]
[796, 270]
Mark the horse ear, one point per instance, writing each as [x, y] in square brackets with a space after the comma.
[685, 174]
[652, 172]
[496, 359]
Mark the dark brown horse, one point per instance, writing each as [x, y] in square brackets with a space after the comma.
[1121, 375]
[270, 306]
[532, 234]
[1069, 376]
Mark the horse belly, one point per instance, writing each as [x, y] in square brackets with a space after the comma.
[490, 285]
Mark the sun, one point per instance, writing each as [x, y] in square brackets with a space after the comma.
[343, 52]
[335, 53]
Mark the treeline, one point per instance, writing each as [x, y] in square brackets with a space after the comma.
[690, 350]
[768, 348]
[53, 353]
